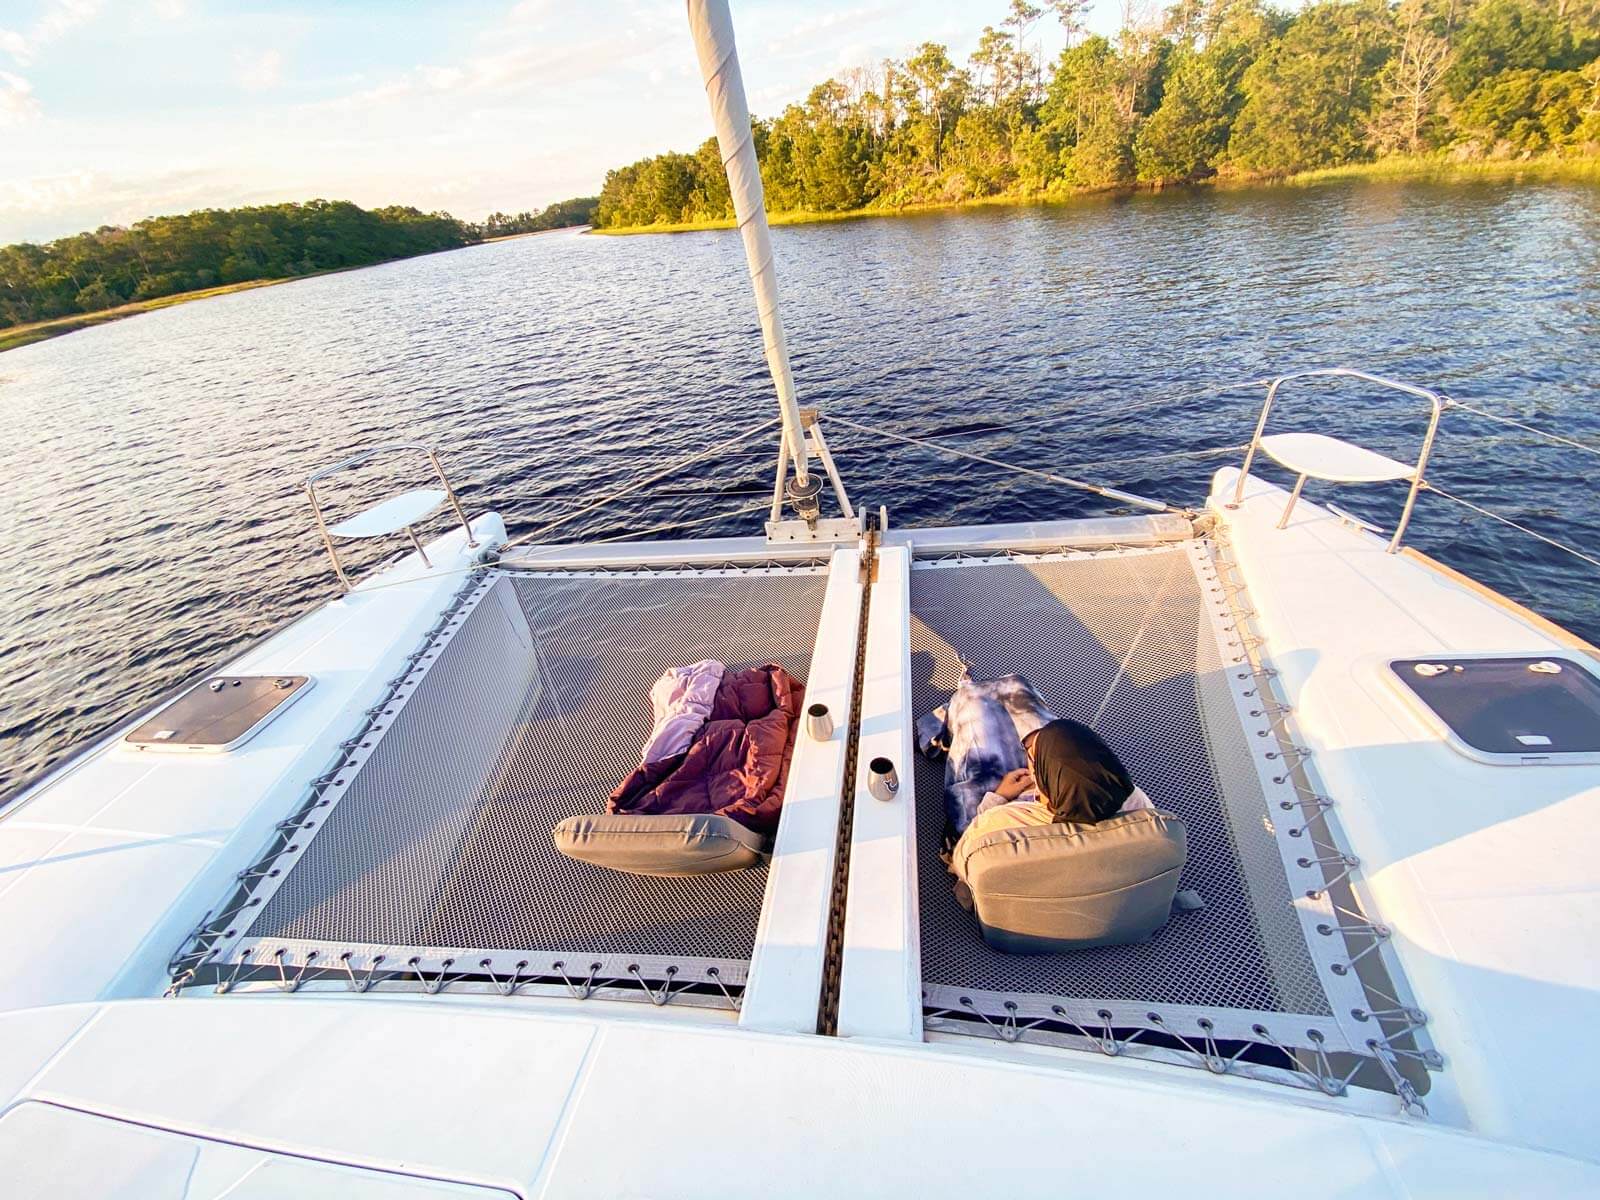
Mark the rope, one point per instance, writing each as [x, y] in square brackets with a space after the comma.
[1554, 437]
[645, 482]
[1549, 541]
[1109, 493]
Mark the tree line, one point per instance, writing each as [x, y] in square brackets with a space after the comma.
[563, 214]
[1208, 88]
[163, 256]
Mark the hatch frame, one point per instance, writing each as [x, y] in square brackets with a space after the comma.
[1440, 726]
[196, 713]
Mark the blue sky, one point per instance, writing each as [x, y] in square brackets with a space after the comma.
[111, 110]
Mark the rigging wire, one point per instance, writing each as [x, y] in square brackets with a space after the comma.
[364, 588]
[677, 493]
[1478, 508]
[1055, 409]
[1554, 437]
[1237, 385]
[1155, 458]
[636, 533]
[1082, 485]
[610, 497]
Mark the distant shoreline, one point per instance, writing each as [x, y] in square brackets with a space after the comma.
[1428, 170]
[13, 337]
[506, 237]
[1574, 170]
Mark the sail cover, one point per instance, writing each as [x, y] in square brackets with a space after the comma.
[712, 26]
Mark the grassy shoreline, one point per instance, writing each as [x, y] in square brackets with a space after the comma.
[14, 336]
[1430, 170]
[1421, 169]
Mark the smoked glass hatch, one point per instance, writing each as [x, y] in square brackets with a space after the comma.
[1518, 707]
[219, 714]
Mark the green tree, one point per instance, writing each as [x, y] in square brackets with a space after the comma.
[1221, 85]
[1509, 35]
[1531, 111]
[96, 297]
[932, 92]
[161, 256]
[1309, 98]
[1084, 108]
[1407, 118]
[982, 160]
[1187, 135]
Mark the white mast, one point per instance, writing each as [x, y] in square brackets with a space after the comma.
[712, 26]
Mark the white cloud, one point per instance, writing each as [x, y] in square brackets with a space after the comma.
[799, 37]
[521, 67]
[258, 72]
[441, 79]
[509, 107]
[41, 207]
[42, 193]
[59, 18]
[17, 104]
[64, 16]
[529, 10]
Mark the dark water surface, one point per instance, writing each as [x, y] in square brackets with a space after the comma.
[151, 517]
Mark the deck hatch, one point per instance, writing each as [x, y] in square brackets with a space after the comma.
[1508, 708]
[218, 714]
[435, 851]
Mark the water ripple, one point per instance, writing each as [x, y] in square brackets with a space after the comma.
[151, 469]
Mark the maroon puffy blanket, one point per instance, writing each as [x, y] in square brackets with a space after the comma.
[738, 762]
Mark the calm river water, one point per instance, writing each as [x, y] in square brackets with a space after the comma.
[150, 470]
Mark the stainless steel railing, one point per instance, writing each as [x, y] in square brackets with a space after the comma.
[363, 456]
[1435, 400]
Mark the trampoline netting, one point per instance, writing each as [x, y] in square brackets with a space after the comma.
[435, 849]
[1131, 641]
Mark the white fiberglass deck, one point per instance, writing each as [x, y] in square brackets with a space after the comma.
[1485, 874]
[161, 835]
[621, 1101]
[118, 854]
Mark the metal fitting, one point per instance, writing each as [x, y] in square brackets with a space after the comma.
[806, 498]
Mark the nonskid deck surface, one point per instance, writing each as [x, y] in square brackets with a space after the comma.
[1127, 641]
[437, 852]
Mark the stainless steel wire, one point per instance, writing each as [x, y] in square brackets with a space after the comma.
[1048, 476]
[1546, 434]
[1534, 533]
[646, 481]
